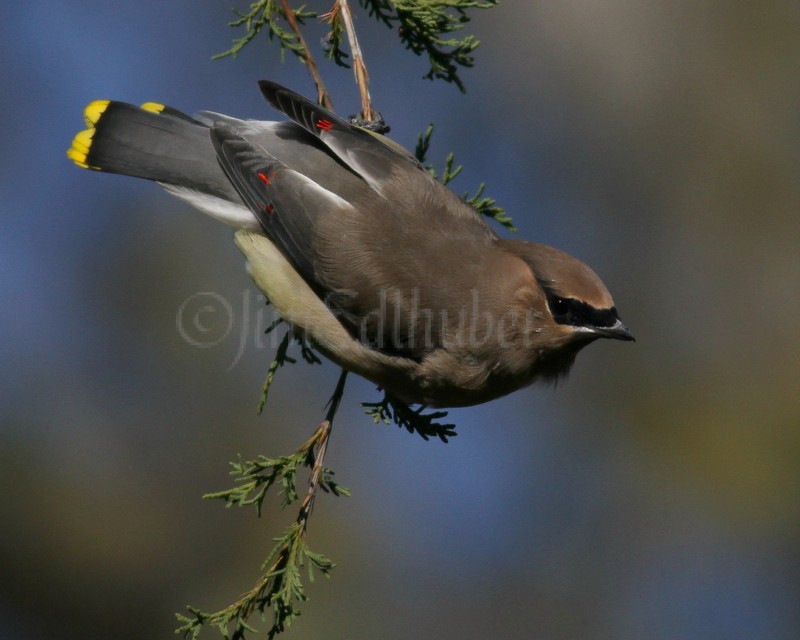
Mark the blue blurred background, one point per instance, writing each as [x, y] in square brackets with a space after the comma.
[655, 494]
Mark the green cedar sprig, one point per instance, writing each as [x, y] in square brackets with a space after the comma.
[281, 358]
[267, 14]
[482, 204]
[333, 43]
[254, 478]
[422, 25]
[388, 410]
[280, 587]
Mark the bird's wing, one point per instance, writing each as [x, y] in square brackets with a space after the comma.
[285, 202]
[396, 271]
[371, 156]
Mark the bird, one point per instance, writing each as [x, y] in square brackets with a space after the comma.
[369, 258]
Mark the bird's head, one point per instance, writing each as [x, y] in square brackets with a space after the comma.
[572, 305]
[576, 297]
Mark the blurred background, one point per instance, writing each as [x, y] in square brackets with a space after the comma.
[655, 494]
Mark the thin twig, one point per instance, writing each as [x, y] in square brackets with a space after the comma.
[323, 97]
[255, 598]
[359, 68]
[320, 438]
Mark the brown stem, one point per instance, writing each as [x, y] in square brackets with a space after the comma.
[320, 438]
[359, 68]
[323, 97]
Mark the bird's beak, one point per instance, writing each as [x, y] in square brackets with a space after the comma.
[616, 331]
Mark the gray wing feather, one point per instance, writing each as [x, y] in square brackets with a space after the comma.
[285, 202]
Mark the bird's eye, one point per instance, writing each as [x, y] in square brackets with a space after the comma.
[559, 306]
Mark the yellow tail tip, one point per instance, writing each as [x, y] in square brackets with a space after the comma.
[93, 112]
[82, 142]
[155, 107]
[77, 157]
[79, 151]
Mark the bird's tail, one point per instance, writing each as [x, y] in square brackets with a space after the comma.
[154, 141]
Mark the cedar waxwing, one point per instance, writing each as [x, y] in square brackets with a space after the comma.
[384, 270]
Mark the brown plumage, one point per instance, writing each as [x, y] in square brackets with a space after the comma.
[385, 270]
